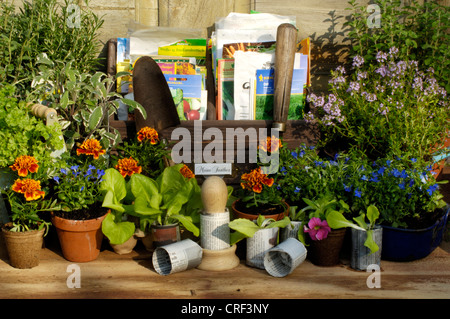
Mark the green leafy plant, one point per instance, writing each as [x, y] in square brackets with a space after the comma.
[84, 101]
[245, 228]
[23, 133]
[170, 198]
[119, 198]
[46, 26]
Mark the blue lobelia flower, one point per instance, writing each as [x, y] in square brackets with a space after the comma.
[432, 189]
[357, 193]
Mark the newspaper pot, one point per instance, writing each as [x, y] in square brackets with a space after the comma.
[290, 231]
[281, 260]
[165, 234]
[400, 244]
[259, 244]
[176, 257]
[361, 256]
[23, 248]
[80, 240]
[239, 213]
[326, 252]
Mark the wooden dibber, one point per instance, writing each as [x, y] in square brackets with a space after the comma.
[284, 68]
[152, 92]
[214, 197]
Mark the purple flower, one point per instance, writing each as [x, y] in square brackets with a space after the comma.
[353, 87]
[358, 61]
[371, 97]
[393, 52]
[381, 56]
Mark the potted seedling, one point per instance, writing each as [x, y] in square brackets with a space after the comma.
[261, 234]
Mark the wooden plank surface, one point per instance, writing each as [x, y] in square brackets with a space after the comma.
[132, 277]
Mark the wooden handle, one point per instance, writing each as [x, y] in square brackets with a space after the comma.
[214, 195]
[284, 67]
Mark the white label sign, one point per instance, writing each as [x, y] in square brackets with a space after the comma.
[213, 169]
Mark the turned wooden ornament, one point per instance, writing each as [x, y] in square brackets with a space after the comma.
[215, 231]
[214, 195]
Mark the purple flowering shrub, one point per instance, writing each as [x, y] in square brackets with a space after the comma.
[387, 108]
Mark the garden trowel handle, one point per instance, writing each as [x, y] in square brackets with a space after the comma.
[284, 67]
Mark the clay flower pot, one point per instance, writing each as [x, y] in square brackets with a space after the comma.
[23, 248]
[238, 213]
[80, 240]
[165, 234]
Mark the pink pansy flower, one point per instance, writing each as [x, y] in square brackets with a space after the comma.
[318, 229]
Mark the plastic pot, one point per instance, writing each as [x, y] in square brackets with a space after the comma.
[400, 244]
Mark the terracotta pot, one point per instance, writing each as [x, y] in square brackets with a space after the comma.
[80, 240]
[165, 234]
[326, 252]
[23, 248]
[240, 214]
[439, 166]
[125, 248]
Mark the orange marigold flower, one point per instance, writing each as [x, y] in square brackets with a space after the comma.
[91, 147]
[148, 133]
[186, 172]
[128, 166]
[255, 180]
[270, 144]
[24, 164]
[30, 188]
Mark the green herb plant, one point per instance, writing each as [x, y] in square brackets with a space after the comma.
[84, 101]
[42, 26]
[419, 30]
[22, 133]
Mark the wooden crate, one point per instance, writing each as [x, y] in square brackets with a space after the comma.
[297, 131]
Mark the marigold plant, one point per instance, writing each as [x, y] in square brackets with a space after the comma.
[26, 196]
[257, 189]
[24, 164]
[91, 147]
[128, 167]
[148, 149]
[186, 172]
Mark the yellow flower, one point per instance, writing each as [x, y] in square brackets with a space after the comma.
[91, 147]
[148, 133]
[24, 164]
[29, 187]
[186, 172]
[128, 166]
[271, 144]
[255, 180]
